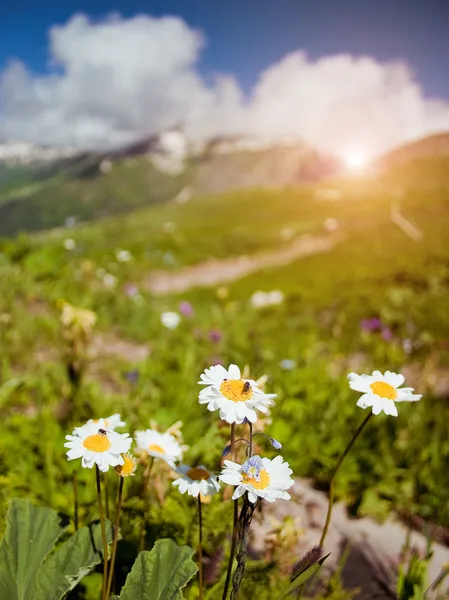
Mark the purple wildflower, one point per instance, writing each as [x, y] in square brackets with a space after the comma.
[215, 335]
[387, 334]
[369, 325]
[186, 309]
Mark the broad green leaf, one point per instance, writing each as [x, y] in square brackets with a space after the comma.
[31, 533]
[29, 570]
[303, 578]
[72, 561]
[161, 573]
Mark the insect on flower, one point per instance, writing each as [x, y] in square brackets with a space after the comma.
[96, 446]
[235, 397]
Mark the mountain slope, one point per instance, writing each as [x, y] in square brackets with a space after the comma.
[92, 186]
[428, 147]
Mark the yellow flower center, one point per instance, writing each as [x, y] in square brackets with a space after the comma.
[236, 390]
[384, 390]
[156, 448]
[97, 443]
[127, 468]
[264, 479]
[198, 474]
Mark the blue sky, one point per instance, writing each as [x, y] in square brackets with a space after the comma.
[244, 37]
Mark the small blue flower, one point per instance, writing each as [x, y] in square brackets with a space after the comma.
[276, 445]
[288, 364]
[132, 376]
[252, 467]
[226, 451]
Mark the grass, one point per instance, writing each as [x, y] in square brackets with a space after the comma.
[376, 270]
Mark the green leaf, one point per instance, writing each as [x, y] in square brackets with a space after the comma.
[303, 578]
[31, 533]
[64, 569]
[161, 573]
[8, 388]
[27, 569]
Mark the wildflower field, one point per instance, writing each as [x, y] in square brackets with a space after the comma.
[85, 336]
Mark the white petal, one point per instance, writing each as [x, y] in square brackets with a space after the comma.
[406, 396]
[194, 488]
[377, 405]
[359, 383]
[269, 499]
[251, 415]
[233, 465]
[366, 400]
[252, 496]
[214, 375]
[394, 379]
[213, 482]
[230, 478]
[233, 372]
[113, 459]
[183, 486]
[238, 492]
[75, 453]
[390, 407]
[103, 465]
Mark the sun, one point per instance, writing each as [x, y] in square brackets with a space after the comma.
[355, 161]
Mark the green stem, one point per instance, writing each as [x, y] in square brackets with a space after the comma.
[334, 473]
[106, 495]
[200, 548]
[75, 499]
[103, 532]
[115, 540]
[146, 507]
[234, 526]
[246, 516]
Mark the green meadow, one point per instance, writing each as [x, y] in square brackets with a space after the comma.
[376, 299]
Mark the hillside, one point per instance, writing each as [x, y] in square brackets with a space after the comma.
[433, 146]
[373, 298]
[40, 195]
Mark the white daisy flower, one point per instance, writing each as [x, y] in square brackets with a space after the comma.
[170, 319]
[260, 477]
[196, 480]
[95, 445]
[69, 244]
[123, 256]
[381, 392]
[234, 397]
[109, 423]
[109, 280]
[159, 445]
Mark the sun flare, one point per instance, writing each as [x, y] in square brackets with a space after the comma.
[355, 161]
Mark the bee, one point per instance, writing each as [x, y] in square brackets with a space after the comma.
[246, 387]
[103, 431]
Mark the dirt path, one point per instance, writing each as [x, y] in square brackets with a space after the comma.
[374, 547]
[215, 272]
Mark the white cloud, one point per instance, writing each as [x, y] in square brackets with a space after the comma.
[116, 81]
